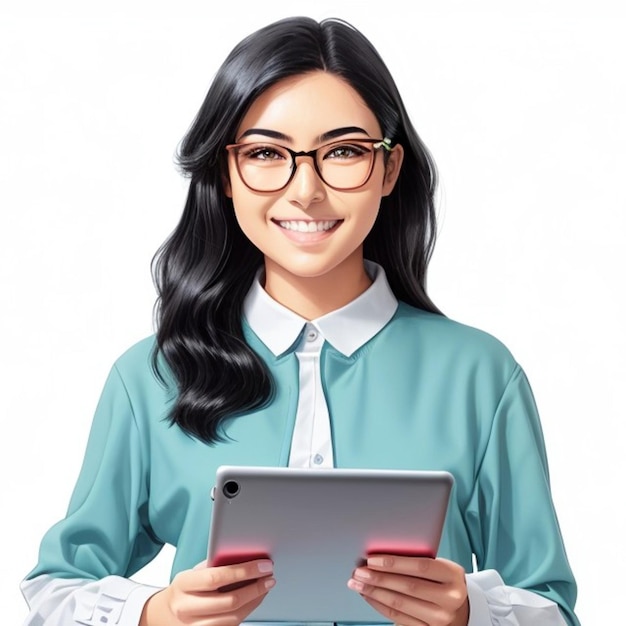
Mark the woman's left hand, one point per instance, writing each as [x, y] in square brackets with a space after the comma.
[414, 591]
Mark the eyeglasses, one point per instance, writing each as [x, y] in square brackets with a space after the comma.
[342, 165]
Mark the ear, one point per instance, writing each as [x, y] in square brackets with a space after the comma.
[392, 169]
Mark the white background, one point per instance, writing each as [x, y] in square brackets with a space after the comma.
[523, 107]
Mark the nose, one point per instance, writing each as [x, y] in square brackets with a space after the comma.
[306, 187]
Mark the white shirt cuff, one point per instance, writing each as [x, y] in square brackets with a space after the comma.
[494, 603]
[110, 601]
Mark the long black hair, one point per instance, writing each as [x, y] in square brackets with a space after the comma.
[205, 268]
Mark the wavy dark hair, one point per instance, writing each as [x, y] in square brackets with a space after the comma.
[205, 268]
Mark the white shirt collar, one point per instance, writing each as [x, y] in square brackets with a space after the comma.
[346, 329]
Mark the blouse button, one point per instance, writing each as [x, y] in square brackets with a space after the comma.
[318, 459]
[311, 335]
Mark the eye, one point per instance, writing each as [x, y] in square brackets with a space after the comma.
[345, 151]
[262, 152]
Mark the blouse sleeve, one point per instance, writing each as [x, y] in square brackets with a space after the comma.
[512, 522]
[106, 536]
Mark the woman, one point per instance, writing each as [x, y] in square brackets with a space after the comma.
[294, 329]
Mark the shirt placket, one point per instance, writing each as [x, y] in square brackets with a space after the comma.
[311, 445]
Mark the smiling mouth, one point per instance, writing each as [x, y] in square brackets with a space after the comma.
[302, 226]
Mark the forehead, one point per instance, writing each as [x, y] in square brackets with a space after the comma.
[305, 106]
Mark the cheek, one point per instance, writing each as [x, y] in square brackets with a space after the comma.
[364, 210]
[251, 214]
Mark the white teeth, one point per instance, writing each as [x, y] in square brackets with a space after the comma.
[308, 227]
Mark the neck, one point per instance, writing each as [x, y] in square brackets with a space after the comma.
[314, 296]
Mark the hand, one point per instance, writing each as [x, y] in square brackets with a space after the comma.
[414, 591]
[193, 598]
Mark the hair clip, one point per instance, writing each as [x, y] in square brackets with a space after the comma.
[385, 143]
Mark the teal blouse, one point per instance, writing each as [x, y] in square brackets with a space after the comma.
[425, 393]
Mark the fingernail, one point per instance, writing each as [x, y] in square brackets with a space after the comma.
[379, 561]
[269, 583]
[265, 566]
[363, 574]
[355, 585]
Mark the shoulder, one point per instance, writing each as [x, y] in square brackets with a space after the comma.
[135, 366]
[134, 378]
[448, 339]
[441, 328]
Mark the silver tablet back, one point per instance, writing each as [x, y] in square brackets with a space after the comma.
[317, 525]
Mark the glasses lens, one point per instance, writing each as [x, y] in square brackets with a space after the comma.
[345, 165]
[264, 167]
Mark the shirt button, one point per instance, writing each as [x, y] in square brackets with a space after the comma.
[311, 335]
[318, 459]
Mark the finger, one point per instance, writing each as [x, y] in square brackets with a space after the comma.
[395, 604]
[398, 618]
[219, 603]
[213, 578]
[439, 570]
[448, 595]
[229, 619]
[445, 594]
[408, 611]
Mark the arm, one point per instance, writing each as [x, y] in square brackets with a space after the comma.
[512, 521]
[525, 579]
[86, 559]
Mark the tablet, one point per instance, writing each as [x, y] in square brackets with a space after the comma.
[317, 525]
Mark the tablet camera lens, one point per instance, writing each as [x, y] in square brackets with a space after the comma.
[231, 488]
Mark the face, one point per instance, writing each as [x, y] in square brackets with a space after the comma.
[308, 229]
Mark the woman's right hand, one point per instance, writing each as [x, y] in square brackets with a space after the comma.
[193, 598]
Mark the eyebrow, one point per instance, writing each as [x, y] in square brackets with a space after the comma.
[327, 136]
[338, 132]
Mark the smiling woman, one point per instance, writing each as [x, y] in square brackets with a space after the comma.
[294, 329]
